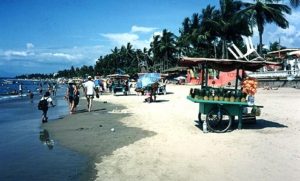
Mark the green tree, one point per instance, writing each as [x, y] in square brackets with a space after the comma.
[154, 50]
[167, 49]
[183, 41]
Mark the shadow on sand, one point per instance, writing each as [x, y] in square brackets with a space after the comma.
[168, 93]
[160, 100]
[260, 124]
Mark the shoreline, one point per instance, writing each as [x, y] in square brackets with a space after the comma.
[90, 133]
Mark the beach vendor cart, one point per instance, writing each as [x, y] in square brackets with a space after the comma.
[221, 105]
[119, 83]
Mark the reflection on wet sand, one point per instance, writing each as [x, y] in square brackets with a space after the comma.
[45, 138]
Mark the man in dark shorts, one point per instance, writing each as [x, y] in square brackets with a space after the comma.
[89, 90]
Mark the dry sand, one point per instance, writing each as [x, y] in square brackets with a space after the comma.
[166, 144]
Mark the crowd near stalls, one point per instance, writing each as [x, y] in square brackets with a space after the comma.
[146, 84]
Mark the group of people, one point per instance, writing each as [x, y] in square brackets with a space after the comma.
[72, 94]
[90, 89]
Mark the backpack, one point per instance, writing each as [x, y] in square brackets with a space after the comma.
[43, 104]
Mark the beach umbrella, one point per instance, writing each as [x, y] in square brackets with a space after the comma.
[148, 79]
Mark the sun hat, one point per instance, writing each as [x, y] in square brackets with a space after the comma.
[89, 77]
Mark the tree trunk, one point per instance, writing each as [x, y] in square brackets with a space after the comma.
[165, 61]
[260, 43]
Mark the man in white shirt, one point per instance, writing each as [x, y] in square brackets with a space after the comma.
[89, 89]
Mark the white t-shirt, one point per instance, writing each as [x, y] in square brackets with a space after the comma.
[49, 99]
[89, 86]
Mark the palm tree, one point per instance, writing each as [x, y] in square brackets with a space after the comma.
[262, 13]
[208, 36]
[183, 41]
[226, 25]
[154, 50]
[114, 58]
[167, 48]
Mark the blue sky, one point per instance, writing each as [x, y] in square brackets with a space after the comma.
[44, 36]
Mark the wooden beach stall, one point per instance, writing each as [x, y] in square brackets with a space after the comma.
[222, 104]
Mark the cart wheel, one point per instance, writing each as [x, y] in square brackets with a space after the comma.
[218, 120]
[199, 118]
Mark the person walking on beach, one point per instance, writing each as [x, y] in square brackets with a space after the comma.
[89, 89]
[54, 89]
[70, 96]
[43, 106]
[76, 97]
[40, 88]
[20, 89]
[30, 95]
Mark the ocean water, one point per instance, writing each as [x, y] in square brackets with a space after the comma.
[9, 87]
[27, 152]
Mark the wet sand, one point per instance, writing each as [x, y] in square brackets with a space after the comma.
[163, 141]
[95, 133]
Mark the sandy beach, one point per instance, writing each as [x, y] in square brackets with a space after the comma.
[162, 140]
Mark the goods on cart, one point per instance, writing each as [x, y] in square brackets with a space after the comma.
[255, 111]
[249, 86]
[218, 94]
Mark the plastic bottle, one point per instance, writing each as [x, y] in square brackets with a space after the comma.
[250, 100]
[204, 127]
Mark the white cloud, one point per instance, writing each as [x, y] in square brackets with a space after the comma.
[119, 39]
[34, 60]
[29, 45]
[142, 29]
[60, 56]
[76, 56]
[288, 37]
[11, 53]
[159, 33]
